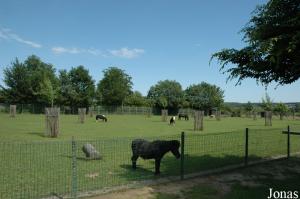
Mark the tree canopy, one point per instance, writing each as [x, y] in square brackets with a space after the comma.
[115, 86]
[166, 93]
[30, 82]
[267, 103]
[281, 108]
[273, 45]
[204, 96]
[82, 85]
[135, 99]
[248, 107]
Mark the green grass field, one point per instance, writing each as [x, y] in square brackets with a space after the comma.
[33, 165]
[28, 127]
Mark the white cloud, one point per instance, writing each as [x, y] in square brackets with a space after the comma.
[123, 52]
[60, 50]
[8, 35]
[127, 53]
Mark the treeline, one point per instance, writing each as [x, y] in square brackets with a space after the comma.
[36, 82]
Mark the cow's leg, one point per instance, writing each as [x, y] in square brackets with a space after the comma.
[134, 159]
[157, 166]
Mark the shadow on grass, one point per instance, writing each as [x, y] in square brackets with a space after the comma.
[191, 130]
[139, 171]
[170, 166]
[38, 134]
[81, 158]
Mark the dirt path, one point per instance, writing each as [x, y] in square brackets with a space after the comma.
[221, 182]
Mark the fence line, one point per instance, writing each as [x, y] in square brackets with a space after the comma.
[40, 109]
[60, 168]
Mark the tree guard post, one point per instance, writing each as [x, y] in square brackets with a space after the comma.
[254, 115]
[91, 111]
[81, 114]
[218, 115]
[12, 110]
[268, 118]
[52, 122]
[198, 120]
[149, 110]
[293, 113]
[164, 115]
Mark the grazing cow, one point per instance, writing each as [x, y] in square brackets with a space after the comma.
[184, 115]
[212, 116]
[172, 120]
[101, 117]
[153, 150]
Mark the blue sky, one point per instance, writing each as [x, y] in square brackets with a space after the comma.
[151, 40]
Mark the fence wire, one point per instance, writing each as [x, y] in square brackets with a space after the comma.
[211, 151]
[46, 169]
[266, 143]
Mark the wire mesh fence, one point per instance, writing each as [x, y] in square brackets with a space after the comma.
[40, 109]
[267, 142]
[34, 170]
[61, 168]
[204, 152]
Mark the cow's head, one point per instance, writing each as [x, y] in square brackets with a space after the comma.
[175, 144]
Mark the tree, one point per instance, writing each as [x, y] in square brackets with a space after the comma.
[149, 102]
[204, 96]
[166, 94]
[76, 87]
[135, 99]
[184, 104]
[82, 87]
[267, 103]
[163, 102]
[273, 39]
[282, 109]
[46, 92]
[66, 90]
[248, 108]
[24, 82]
[2, 98]
[115, 86]
[226, 108]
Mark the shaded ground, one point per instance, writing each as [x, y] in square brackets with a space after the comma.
[251, 182]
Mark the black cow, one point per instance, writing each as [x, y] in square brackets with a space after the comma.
[172, 120]
[153, 150]
[101, 117]
[185, 116]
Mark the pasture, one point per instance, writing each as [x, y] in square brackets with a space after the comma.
[31, 127]
[34, 166]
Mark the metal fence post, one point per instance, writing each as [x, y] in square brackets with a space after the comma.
[182, 157]
[246, 146]
[288, 142]
[74, 170]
